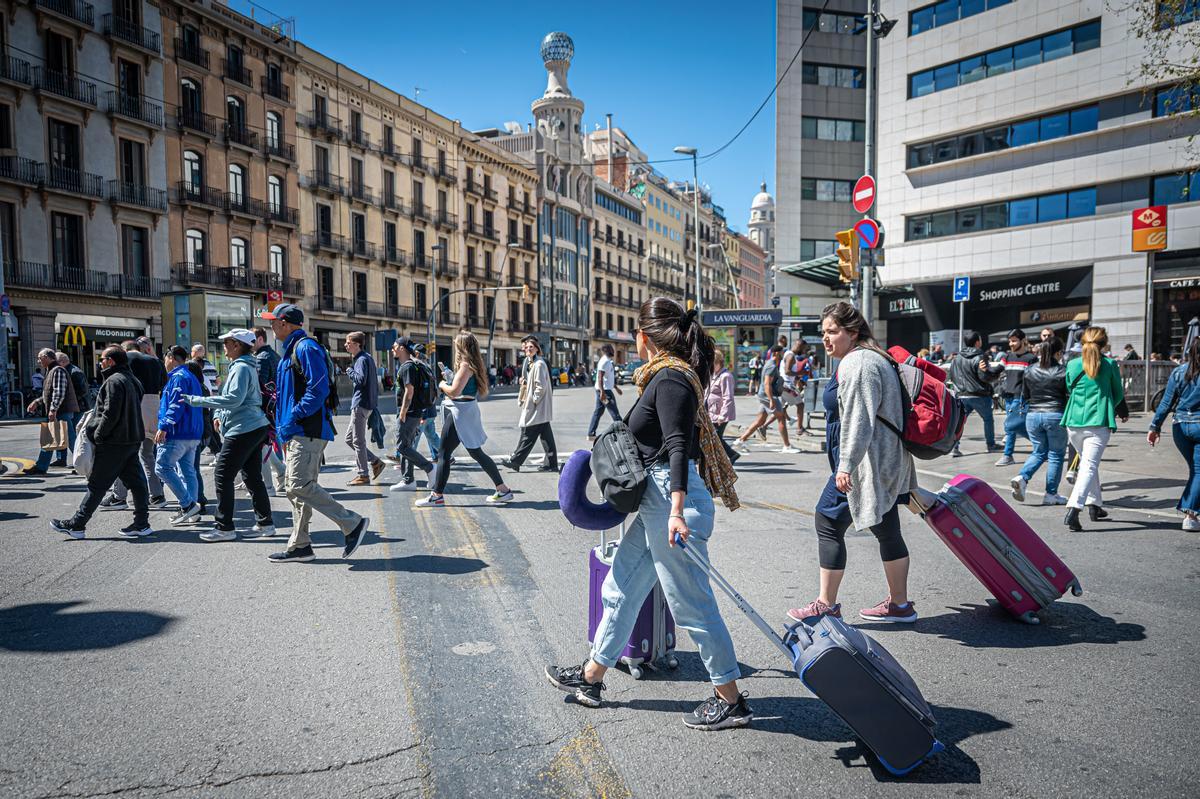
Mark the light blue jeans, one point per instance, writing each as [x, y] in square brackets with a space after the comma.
[1049, 439]
[1014, 423]
[645, 557]
[983, 407]
[175, 465]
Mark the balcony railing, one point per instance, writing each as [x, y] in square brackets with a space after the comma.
[275, 87]
[14, 70]
[324, 181]
[445, 219]
[22, 170]
[420, 211]
[321, 241]
[64, 85]
[360, 138]
[361, 248]
[187, 193]
[130, 33]
[75, 10]
[445, 172]
[243, 204]
[279, 148]
[395, 256]
[327, 302]
[188, 273]
[192, 53]
[132, 106]
[74, 181]
[393, 204]
[198, 121]
[281, 214]
[241, 135]
[137, 194]
[394, 154]
[324, 123]
[290, 286]
[421, 260]
[237, 72]
[77, 279]
[447, 268]
[421, 164]
[361, 193]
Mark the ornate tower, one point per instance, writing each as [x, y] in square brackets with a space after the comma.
[559, 116]
[762, 223]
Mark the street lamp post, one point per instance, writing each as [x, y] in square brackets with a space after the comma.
[496, 296]
[433, 268]
[696, 198]
[733, 286]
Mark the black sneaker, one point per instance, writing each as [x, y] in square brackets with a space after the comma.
[1097, 513]
[112, 503]
[68, 526]
[571, 680]
[157, 502]
[355, 537]
[508, 464]
[548, 467]
[298, 555]
[135, 531]
[715, 713]
[33, 471]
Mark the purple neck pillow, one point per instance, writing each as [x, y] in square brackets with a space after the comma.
[572, 496]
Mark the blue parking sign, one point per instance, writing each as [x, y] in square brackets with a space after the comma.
[962, 289]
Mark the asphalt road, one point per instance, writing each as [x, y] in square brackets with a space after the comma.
[170, 667]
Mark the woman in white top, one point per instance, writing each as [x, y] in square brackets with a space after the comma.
[536, 398]
[606, 384]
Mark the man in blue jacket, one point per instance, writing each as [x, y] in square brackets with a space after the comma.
[179, 429]
[304, 427]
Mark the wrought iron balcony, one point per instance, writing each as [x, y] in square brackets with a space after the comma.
[360, 138]
[394, 154]
[395, 256]
[361, 193]
[322, 241]
[22, 170]
[420, 211]
[192, 53]
[56, 277]
[328, 302]
[14, 70]
[444, 172]
[124, 30]
[479, 190]
[361, 248]
[243, 204]
[290, 286]
[322, 123]
[393, 203]
[138, 194]
[321, 180]
[197, 121]
[421, 260]
[281, 214]
[421, 164]
[187, 193]
[237, 72]
[189, 273]
[279, 148]
[275, 88]
[446, 268]
[445, 219]
[64, 85]
[133, 106]
[74, 10]
[142, 287]
[241, 135]
[74, 181]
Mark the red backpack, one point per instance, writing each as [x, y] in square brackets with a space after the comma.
[933, 416]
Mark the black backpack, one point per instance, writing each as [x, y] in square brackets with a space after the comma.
[617, 466]
[332, 400]
[426, 387]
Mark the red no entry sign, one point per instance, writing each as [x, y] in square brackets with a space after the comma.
[864, 194]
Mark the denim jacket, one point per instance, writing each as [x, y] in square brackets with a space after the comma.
[1181, 393]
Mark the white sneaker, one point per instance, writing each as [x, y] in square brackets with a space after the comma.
[404, 485]
[1005, 460]
[788, 451]
[956, 453]
[1018, 484]
[741, 446]
[1054, 499]
[1191, 524]
[214, 535]
[186, 515]
[260, 531]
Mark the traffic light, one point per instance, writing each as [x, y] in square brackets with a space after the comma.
[847, 253]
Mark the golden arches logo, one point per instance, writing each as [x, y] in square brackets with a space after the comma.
[73, 335]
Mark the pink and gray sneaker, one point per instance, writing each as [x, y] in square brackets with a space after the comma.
[888, 611]
[815, 610]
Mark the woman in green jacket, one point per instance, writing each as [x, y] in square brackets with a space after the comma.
[1094, 392]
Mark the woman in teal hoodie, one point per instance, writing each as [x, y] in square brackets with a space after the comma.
[1094, 394]
[239, 413]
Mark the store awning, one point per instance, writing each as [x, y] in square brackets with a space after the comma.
[824, 270]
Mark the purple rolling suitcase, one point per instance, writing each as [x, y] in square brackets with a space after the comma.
[653, 639]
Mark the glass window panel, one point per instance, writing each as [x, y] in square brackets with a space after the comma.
[1023, 133]
[917, 228]
[825, 248]
[1172, 101]
[1193, 186]
[920, 20]
[807, 249]
[825, 190]
[920, 155]
[810, 73]
[945, 77]
[972, 7]
[1052, 207]
[1054, 126]
[1081, 203]
[827, 76]
[808, 189]
[1022, 212]
[945, 150]
[995, 139]
[808, 130]
[827, 129]
[920, 84]
[858, 78]
[999, 61]
[942, 224]
[1056, 45]
[997, 3]
[1170, 189]
[860, 131]
[995, 216]
[971, 70]
[845, 130]
[970, 144]
[968, 220]
[810, 20]
[1027, 54]
[945, 12]
[828, 23]
[1085, 119]
[841, 191]
[1087, 37]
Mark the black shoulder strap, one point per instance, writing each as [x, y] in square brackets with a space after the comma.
[1075, 382]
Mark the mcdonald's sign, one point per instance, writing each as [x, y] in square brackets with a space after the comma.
[73, 335]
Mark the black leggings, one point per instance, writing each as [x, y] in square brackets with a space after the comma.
[450, 442]
[831, 538]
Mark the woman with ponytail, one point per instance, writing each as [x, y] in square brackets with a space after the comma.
[1094, 393]
[1182, 398]
[685, 466]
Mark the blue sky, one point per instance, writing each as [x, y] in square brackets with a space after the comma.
[478, 62]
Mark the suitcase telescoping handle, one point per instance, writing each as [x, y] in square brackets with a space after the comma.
[732, 593]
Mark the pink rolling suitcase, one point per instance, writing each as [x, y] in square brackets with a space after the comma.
[998, 546]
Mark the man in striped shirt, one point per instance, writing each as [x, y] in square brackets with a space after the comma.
[1014, 363]
[59, 404]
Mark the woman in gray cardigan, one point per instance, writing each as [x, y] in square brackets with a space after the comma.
[872, 472]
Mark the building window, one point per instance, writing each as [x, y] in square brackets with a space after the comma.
[1181, 188]
[64, 151]
[193, 171]
[274, 194]
[237, 183]
[67, 240]
[945, 12]
[235, 113]
[135, 253]
[831, 129]
[191, 101]
[825, 190]
[1176, 99]
[1018, 134]
[833, 75]
[133, 159]
[6, 135]
[1180, 12]
[274, 130]
[238, 253]
[831, 21]
[193, 245]
[392, 294]
[1030, 52]
[1052, 207]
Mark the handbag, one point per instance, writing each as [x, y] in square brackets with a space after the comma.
[85, 450]
[55, 436]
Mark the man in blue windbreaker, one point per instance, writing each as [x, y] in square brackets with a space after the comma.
[179, 429]
[304, 427]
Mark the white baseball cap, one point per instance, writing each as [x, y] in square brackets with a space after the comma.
[241, 334]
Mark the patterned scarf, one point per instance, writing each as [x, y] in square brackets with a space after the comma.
[715, 468]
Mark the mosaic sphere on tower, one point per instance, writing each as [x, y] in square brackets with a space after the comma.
[557, 46]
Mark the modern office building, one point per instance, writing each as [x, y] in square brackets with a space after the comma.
[1015, 141]
[82, 162]
[819, 132]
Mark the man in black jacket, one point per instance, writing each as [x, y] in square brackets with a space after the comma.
[117, 431]
[150, 372]
[968, 371]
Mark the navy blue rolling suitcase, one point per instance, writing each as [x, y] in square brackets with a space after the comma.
[857, 678]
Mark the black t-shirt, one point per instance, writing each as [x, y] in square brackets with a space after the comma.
[411, 374]
[149, 371]
[664, 420]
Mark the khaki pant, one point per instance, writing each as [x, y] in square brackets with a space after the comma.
[302, 461]
[359, 440]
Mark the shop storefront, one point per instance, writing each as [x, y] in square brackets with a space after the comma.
[200, 317]
[902, 321]
[1176, 299]
[740, 334]
[83, 338]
